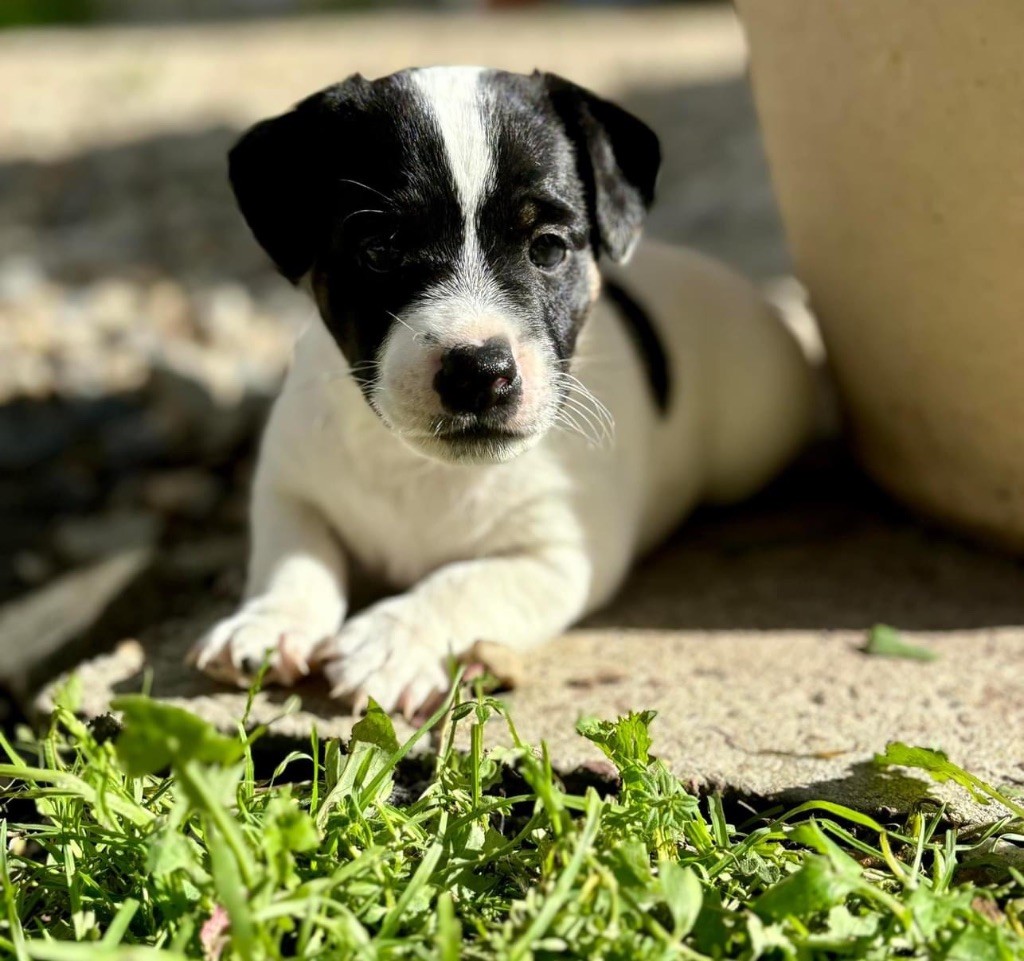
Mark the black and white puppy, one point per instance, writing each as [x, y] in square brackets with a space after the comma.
[474, 423]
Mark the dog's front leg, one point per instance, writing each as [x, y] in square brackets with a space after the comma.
[397, 651]
[295, 595]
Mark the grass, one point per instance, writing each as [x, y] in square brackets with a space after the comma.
[157, 840]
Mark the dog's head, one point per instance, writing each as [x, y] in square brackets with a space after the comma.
[448, 221]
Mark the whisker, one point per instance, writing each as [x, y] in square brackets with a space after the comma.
[597, 426]
[576, 388]
[594, 408]
[355, 213]
[582, 387]
[587, 429]
[421, 334]
[357, 183]
[584, 396]
[570, 426]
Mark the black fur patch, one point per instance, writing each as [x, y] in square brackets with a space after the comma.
[645, 335]
[536, 190]
[394, 186]
[358, 163]
[619, 157]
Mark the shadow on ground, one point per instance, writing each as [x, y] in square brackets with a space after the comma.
[821, 549]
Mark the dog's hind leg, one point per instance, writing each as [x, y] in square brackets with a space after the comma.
[762, 403]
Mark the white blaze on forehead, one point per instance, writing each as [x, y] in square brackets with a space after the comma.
[455, 97]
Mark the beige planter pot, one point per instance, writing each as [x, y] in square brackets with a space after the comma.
[895, 132]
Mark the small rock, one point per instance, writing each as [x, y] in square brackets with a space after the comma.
[227, 317]
[169, 310]
[30, 375]
[498, 660]
[186, 493]
[32, 568]
[112, 305]
[83, 539]
[20, 277]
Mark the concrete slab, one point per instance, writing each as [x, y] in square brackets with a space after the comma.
[744, 634]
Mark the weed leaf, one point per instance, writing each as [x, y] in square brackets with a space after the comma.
[375, 728]
[885, 641]
[941, 769]
[682, 892]
[156, 736]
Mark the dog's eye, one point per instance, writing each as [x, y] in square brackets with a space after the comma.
[379, 254]
[547, 251]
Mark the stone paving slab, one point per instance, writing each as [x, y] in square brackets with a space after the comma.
[788, 715]
[745, 634]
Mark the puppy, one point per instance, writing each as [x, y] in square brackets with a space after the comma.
[474, 426]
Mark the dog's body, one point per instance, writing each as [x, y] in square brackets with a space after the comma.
[518, 502]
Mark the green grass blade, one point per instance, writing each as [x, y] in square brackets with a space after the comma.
[418, 881]
[75, 787]
[10, 900]
[119, 926]
[563, 887]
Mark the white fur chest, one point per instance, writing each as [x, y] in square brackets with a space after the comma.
[399, 514]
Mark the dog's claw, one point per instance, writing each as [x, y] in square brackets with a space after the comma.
[360, 704]
[292, 659]
[234, 650]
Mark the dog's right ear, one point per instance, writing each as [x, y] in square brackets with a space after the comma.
[279, 174]
[618, 157]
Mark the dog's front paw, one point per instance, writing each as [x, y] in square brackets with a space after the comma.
[233, 650]
[390, 653]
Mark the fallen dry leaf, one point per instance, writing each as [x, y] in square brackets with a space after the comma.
[500, 661]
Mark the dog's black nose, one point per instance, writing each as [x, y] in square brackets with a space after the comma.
[473, 380]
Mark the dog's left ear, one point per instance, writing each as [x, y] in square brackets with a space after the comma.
[271, 173]
[618, 157]
[281, 173]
